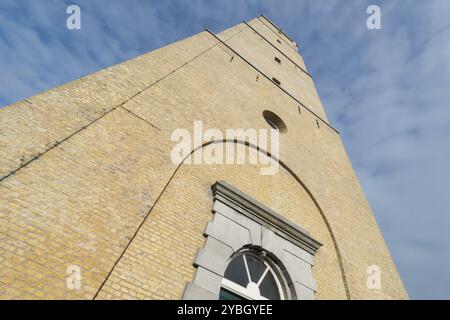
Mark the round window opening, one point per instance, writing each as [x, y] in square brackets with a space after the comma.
[274, 121]
[251, 275]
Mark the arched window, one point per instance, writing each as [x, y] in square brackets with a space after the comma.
[251, 275]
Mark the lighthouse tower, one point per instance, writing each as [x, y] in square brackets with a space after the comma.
[93, 205]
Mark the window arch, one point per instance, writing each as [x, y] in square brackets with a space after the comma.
[252, 275]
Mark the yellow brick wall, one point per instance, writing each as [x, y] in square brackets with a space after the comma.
[82, 166]
[162, 254]
[291, 76]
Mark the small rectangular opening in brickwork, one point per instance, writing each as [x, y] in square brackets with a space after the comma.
[276, 81]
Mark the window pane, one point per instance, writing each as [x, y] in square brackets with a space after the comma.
[256, 267]
[236, 272]
[227, 295]
[269, 288]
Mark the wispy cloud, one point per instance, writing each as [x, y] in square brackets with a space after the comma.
[386, 90]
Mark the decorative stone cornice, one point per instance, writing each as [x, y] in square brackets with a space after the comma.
[246, 205]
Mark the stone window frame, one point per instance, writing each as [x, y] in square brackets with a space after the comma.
[240, 222]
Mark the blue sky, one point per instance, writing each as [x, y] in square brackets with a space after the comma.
[387, 91]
